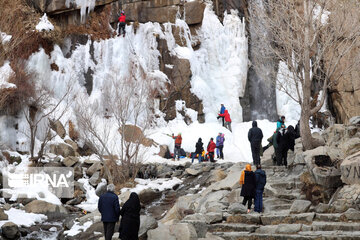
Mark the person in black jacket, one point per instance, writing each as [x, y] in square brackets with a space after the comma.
[130, 218]
[109, 208]
[260, 179]
[255, 136]
[198, 150]
[291, 137]
[247, 180]
[282, 139]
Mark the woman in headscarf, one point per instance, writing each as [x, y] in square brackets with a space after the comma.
[130, 218]
[247, 180]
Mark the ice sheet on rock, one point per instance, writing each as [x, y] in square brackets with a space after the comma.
[91, 198]
[159, 184]
[20, 217]
[5, 73]
[219, 67]
[5, 38]
[44, 24]
[77, 228]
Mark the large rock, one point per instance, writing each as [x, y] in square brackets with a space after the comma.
[52, 211]
[350, 146]
[58, 128]
[162, 232]
[149, 195]
[62, 149]
[94, 168]
[300, 206]
[10, 231]
[350, 169]
[183, 231]
[194, 12]
[134, 134]
[146, 223]
[193, 172]
[70, 161]
[3, 215]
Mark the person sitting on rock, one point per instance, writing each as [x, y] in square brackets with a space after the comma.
[198, 150]
[109, 208]
[248, 184]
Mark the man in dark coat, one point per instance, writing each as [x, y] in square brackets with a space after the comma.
[130, 218]
[282, 139]
[260, 179]
[291, 137]
[297, 130]
[198, 150]
[255, 136]
[109, 208]
[247, 180]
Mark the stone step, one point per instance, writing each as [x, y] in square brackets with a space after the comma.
[286, 185]
[232, 227]
[276, 207]
[271, 219]
[328, 217]
[329, 235]
[255, 236]
[335, 226]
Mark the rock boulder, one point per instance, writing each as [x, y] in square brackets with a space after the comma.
[350, 169]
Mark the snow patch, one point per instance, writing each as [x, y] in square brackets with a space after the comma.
[77, 228]
[5, 38]
[44, 24]
[159, 184]
[22, 218]
[91, 202]
[5, 73]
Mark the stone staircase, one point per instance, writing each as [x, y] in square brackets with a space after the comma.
[278, 222]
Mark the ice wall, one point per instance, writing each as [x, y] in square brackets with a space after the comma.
[220, 66]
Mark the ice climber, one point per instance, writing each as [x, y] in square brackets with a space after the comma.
[122, 23]
[198, 150]
[109, 208]
[255, 136]
[130, 218]
[248, 184]
[226, 115]
[222, 111]
[260, 180]
[211, 148]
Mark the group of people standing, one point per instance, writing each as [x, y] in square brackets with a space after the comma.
[109, 208]
[201, 154]
[252, 187]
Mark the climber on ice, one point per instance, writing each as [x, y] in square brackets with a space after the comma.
[122, 23]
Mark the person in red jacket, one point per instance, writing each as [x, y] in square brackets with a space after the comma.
[122, 21]
[226, 115]
[211, 149]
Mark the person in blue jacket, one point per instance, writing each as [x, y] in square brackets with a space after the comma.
[260, 182]
[222, 111]
[280, 122]
[109, 208]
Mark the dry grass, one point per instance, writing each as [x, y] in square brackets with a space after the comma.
[18, 19]
[97, 25]
[12, 100]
